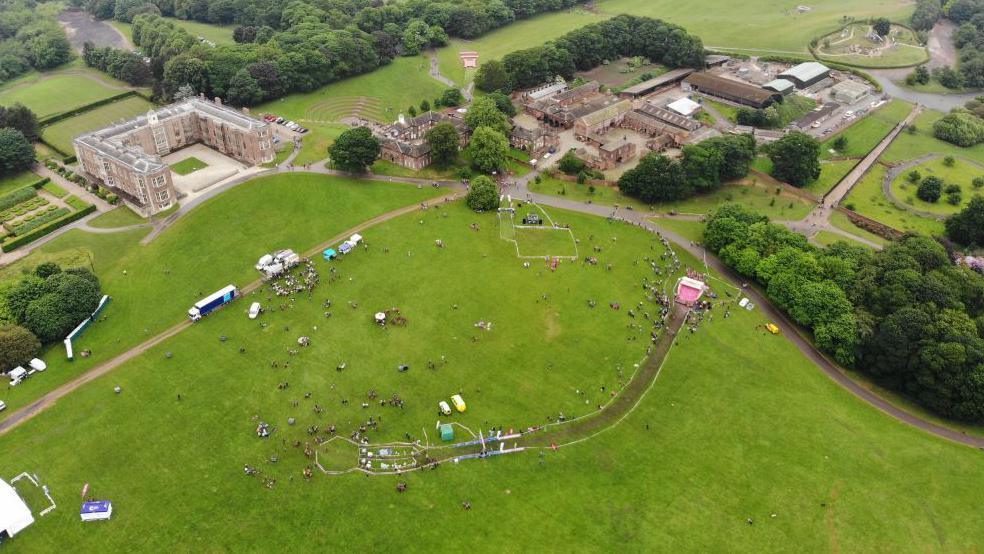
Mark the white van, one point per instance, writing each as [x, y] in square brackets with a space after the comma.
[37, 365]
[17, 375]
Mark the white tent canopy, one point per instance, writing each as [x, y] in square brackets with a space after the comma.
[14, 513]
[684, 106]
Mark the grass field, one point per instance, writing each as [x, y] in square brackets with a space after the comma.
[864, 135]
[868, 199]
[188, 165]
[378, 96]
[851, 46]
[169, 274]
[117, 217]
[11, 183]
[750, 192]
[909, 146]
[690, 230]
[51, 94]
[738, 425]
[961, 173]
[756, 25]
[826, 238]
[831, 173]
[218, 34]
[545, 242]
[60, 134]
[842, 222]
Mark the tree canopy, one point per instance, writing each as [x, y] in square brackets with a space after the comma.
[443, 140]
[488, 149]
[483, 194]
[355, 149]
[795, 159]
[16, 153]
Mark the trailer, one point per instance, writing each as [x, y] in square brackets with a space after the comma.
[213, 302]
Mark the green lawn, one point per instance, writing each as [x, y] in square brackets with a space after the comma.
[545, 242]
[756, 25]
[383, 167]
[909, 146]
[865, 134]
[379, 96]
[831, 173]
[961, 173]
[282, 154]
[188, 165]
[117, 217]
[690, 230]
[750, 191]
[11, 183]
[739, 425]
[54, 189]
[52, 94]
[868, 199]
[841, 221]
[826, 238]
[219, 34]
[60, 134]
[727, 110]
[170, 275]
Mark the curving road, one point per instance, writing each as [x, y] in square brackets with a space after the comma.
[799, 339]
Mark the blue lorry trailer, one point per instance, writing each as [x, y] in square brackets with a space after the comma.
[213, 302]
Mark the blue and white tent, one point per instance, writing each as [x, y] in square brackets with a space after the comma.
[96, 510]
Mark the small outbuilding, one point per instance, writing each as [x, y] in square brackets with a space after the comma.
[782, 86]
[684, 106]
[849, 92]
[15, 515]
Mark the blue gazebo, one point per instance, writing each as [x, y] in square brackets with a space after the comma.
[330, 254]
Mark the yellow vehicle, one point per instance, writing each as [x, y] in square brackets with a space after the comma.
[773, 328]
[459, 403]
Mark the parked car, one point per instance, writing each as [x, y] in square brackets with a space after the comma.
[459, 403]
[445, 409]
[254, 310]
[37, 365]
[288, 124]
[3, 405]
[302, 130]
[279, 120]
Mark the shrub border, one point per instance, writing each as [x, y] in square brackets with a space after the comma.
[35, 234]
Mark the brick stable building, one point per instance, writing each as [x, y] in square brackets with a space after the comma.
[405, 142]
[127, 157]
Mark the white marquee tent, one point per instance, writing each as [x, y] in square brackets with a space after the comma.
[14, 513]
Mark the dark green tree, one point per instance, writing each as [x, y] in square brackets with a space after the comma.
[656, 179]
[484, 112]
[16, 153]
[930, 189]
[488, 149]
[355, 150]
[492, 76]
[795, 159]
[20, 117]
[882, 26]
[570, 164]
[483, 194]
[17, 346]
[967, 226]
[503, 102]
[451, 97]
[443, 140]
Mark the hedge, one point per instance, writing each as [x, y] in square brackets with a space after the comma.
[42, 231]
[18, 196]
[39, 221]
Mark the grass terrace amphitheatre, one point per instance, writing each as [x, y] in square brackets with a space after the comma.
[521, 377]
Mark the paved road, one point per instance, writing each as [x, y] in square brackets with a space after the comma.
[819, 218]
[520, 190]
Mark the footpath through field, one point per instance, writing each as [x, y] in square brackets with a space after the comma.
[20, 416]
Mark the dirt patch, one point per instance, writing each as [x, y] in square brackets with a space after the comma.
[81, 27]
[551, 327]
[614, 74]
[831, 519]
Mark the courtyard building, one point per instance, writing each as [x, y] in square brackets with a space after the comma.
[731, 90]
[405, 142]
[126, 157]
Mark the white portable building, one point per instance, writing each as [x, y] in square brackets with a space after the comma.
[15, 515]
